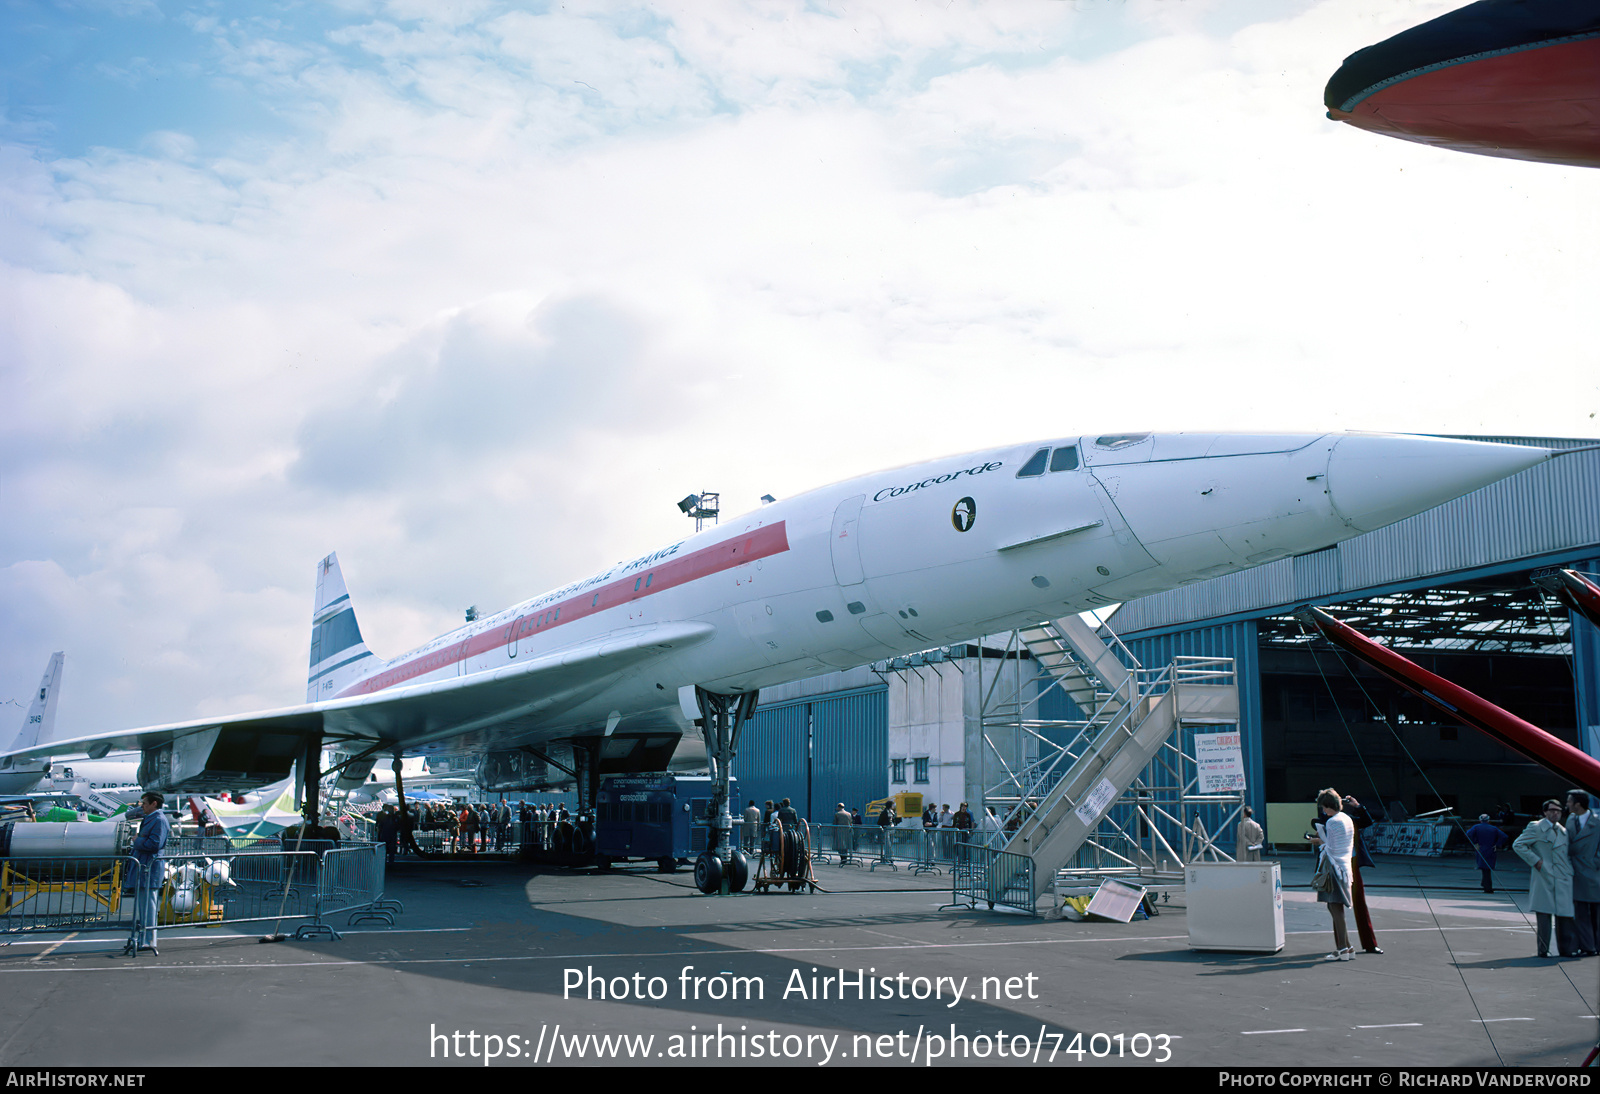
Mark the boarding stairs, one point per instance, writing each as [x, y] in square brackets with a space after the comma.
[1131, 712]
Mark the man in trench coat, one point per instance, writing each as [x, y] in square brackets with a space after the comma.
[1543, 846]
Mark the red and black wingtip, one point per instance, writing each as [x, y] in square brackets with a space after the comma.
[1519, 79]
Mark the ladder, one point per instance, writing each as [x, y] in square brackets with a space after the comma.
[1131, 712]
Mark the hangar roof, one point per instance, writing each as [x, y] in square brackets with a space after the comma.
[1544, 516]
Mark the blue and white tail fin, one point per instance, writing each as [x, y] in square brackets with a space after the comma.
[338, 655]
[41, 718]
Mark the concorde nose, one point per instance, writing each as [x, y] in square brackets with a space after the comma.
[1375, 479]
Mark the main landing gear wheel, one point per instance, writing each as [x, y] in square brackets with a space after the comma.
[738, 872]
[708, 873]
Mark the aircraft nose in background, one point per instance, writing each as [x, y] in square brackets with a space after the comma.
[1377, 479]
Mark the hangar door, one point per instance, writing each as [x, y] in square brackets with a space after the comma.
[817, 752]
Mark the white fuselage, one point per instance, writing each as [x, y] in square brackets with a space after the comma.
[939, 552]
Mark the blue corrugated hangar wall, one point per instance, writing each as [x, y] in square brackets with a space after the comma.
[817, 752]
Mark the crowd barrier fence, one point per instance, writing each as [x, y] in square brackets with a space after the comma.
[193, 889]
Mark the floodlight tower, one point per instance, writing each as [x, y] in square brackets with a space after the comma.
[702, 507]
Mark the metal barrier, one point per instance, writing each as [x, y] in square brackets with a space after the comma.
[352, 881]
[253, 885]
[839, 843]
[994, 877]
[68, 894]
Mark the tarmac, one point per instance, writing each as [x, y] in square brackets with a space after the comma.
[506, 965]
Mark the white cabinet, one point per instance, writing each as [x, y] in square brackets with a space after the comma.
[1235, 906]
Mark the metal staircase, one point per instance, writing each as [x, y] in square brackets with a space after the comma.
[1130, 713]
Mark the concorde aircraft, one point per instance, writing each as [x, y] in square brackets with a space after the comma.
[599, 676]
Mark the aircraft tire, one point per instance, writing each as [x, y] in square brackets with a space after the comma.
[708, 873]
[738, 872]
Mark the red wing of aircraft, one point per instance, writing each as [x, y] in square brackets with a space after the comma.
[1518, 79]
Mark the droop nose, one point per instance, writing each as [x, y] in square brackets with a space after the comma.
[1376, 479]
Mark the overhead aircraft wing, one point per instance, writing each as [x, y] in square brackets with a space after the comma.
[517, 695]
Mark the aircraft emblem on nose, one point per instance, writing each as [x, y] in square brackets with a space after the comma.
[964, 513]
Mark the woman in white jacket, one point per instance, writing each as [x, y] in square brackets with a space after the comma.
[1338, 841]
[1543, 846]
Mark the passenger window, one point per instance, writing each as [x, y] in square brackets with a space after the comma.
[1065, 459]
[1035, 465]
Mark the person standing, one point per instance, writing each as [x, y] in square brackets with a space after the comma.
[1486, 839]
[389, 833]
[752, 825]
[1337, 839]
[1251, 838]
[154, 830]
[1362, 820]
[1583, 849]
[788, 815]
[843, 839]
[408, 830]
[963, 823]
[1543, 846]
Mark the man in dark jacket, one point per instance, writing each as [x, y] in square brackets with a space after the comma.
[154, 829]
[389, 833]
[1486, 839]
[1362, 820]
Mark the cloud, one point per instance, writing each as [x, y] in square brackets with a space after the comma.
[495, 379]
[473, 294]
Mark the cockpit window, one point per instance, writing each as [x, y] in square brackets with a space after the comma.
[1119, 440]
[1065, 458]
[1035, 465]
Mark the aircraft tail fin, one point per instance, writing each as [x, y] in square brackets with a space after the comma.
[41, 719]
[338, 654]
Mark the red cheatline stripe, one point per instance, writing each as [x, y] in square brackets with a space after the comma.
[666, 574]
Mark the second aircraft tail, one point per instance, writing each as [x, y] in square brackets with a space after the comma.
[338, 654]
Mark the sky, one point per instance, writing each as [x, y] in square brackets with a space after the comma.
[473, 292]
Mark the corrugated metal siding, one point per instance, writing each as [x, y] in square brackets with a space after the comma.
[817, 752]
[1545, 510]
[1238, 641]
[1316, 574]
[849, 752]
[772, 754]
[1259, 587]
